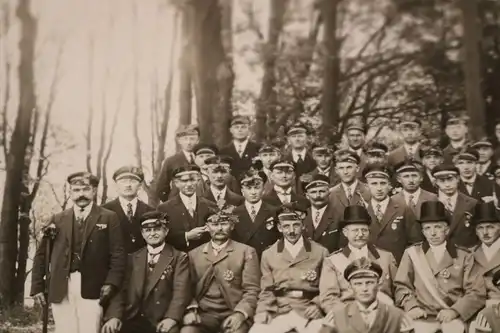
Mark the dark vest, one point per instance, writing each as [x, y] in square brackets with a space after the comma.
[76, 244]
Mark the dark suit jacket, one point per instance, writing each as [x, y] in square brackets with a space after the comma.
[332, 175]
[103, 257]
[181, 221]
[449, 152]
[243, 163]
[166, 293]
[171, 163]
[338, 199]
[257, 234]
[483, 187]
[327, 232]
[461, 231]
[272, 198]
[230, 197]
[424, 196]
[428, 185]
[308, 165]
[132, 237]
[400, 154]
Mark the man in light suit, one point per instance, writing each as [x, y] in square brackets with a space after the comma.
[225, 276]
[434, 283]
[156, 290]
[87, 263]
[334, 290]
[410, 127]
[289, 298]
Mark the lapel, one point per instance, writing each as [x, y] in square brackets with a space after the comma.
[117, 208]
[166, 257]
[90, 223]
[304, 252]
[432, 261]
[187, 220]
[360, 193]
[342, 196]
[481, 258]
[140, 209]
[140, 262]
[210, 196]
[390, 211]
[325, 222]
[209, 252]
[445, 262]
[356, 320]
[308, 223]
[67, 225]
[285, 255]
[380, 319]
[458, 214]
[494, 263]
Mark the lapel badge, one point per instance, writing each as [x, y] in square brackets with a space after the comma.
[445, 274]
[270, 223]
[101, 226]
[394, 226]
[468, 216]
[228, 275]
[310, 276]
[169, 270]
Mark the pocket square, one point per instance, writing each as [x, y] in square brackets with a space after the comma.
[101, 226]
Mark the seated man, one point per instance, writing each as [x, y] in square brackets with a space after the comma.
[157, 286]
[434, 284]
[334, 290]
[225, 278]
[289, 300]
[365, 314]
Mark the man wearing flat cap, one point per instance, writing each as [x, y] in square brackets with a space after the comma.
[218, 171]
[334, 289]
[472, 184]
[431, 157]
[225, 280]
[434, 283]
[409, 175]
[256, 225]
[187, 211]
[410, 127]
[186, 136]
[393, 227]
[456, 130]
[356, 134]
[322, 154]
[283, 179]
[268, 153]
[459, 206]
[485, 163]
[242, 150]
[298, 154]
[156, 291]
[128, 206]
[365, 313]
[289, 298]
[87, 262]
[320, 222]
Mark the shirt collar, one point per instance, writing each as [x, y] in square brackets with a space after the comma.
[444, 198]
[363, 250]
[217, 191]
[155, 250]
[413, 147]
[189, 156]
[85, 212]
[124, 203]
[321, 210]
[416, 195]
[383, 204]
[352, 187]
[242, 144]
[325, 171]
[282, 191]
[185, 199]
[296, 154]
[470, 181]
[219, 247]
[438, 248]
[299, 244]
[458, 144]
[257, 205]
[358, 151]
[370, 308]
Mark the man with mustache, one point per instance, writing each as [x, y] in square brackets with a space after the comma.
[434, 283]
[431, 157]
[283, 178]
[218, 170]
[225, 280]
[187, 211]
[87, 262]
[128, 206]
[156, 290]
[289, 298]
[334, 289]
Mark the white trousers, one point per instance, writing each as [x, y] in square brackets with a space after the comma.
[454, 326]
[75, 314]
[288, 322]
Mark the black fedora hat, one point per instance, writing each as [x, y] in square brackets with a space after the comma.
[355, 214]
[433, 211]
[485, 213]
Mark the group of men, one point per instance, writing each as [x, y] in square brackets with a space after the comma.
[254, 238]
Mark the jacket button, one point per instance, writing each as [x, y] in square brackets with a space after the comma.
[158, 302]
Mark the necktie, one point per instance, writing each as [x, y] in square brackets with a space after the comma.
[217, 250]
[349, 195]
[316, 219]
[300, 159]
[379, 212]
[130, 212]
[80, 218]
[219, 196]
[239, 150]
[191, 207]
[449, 206]
[152, 260]
[469, 186]
[253, 213]
[410, 152]
[412, 202]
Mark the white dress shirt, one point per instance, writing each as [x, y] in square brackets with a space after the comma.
[411, 149]
[457, 144]
[469, 183]
[448, 202]
[285, 196]
[189, 202]
[358, 151]
[218, 248]
[438, 251]
[294, 249]
[296, 154]
[359, 253]
[83, 213]
[317, 214]
[431, 178]
[216, 192]
[492, 250]
[368, 314]
[124, 203]
[350, 188]
[153, 253]
[325, 172]
[189, 156]
[415, 198]
[256, 206]
[383, 205]
[240, 146]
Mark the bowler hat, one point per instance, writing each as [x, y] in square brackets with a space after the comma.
[433, 211]
[485, 213]
[355, 214]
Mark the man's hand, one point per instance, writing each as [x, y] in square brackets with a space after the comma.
[233, 322]
[165, 325]
[191, 318]
[417, 313]
[329, 319]
[446, 315]
[313, 312]
[113, 325]
[196, 233]
[262, 317]
[39, 298]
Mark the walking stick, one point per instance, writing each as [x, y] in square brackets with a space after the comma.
[49, 233]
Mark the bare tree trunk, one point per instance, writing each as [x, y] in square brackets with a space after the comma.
[185, 84]
[472, 68]
[268, 100]
[17, 153]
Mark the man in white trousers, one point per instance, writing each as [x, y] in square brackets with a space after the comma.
[87, 260]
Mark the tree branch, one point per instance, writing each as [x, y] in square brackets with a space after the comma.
[90, 118]
[135, 129]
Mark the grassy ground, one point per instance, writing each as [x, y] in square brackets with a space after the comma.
[22, 320]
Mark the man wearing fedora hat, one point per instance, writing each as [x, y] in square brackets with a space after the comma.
[335, 290]
[157, 286]
[410, 127]
[434, 282]
[474, 185]
[289, 298]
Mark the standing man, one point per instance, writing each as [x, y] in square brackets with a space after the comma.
[409, 175]
[376, 153]
[434, 283]
[456, 130]
[322, 153]
[320, 224]
[219, 169]
[431, 157]
[334, 289]
[392, 228]
[283, 177]
[128, 206]
[156, 291]
[410, 127]
[242, 150]
[289, 298]
[187, 211]
[256, 226]
[225, 277]
[268, 153]
[485, 163]
[471, 184]
[356, 139]
[299, 154]
[187, 136]
[87, 262]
